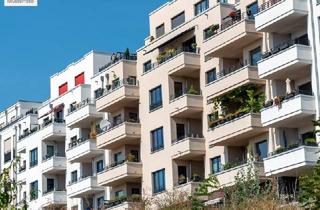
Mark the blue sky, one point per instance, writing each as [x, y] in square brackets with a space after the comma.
[37, 42]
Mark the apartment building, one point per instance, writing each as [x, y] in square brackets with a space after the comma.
[218, 85]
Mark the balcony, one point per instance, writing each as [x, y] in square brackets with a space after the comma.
[54, 198]
[54, 165]
[83, 114]
[189, 148]
[22, 175]
[188, 187]
[121, 133]
[232, 78]
[232, 36]
[53, 130]
[288, 60]
[123, 93]
[227, 177]
[293, 162]
[280, 15]
[83, 151]
[119, 173]
[290, 110]
[84, 187]
[237, 131]
[121, 204]
[186, 106]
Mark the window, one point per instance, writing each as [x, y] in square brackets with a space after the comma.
[178, 89]
[118, 157]
[74, 207]
[180, 131]
[119, 194]
[262, 149]
[155, 98]
[135, 154]
[50, 185]
[63, 88]
[99, 166]
[216, 164]
[74, 176]
[7, 150]
[157, 139]
[255, 56]
[78, 80]
[100, 201]
[160, 30]
[116, 83]
[135, 191]
[211, 76]
[117, 120]
[201, 7]
[177, 20]
[147, 66]
[252, 9]
[158, 178]
[34, 190]
[50, 151]
[34, 157]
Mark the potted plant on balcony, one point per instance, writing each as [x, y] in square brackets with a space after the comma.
[126, 54]
[131, 158]
[192, 91]
[182, 179]
[196, 177]
[214, 28]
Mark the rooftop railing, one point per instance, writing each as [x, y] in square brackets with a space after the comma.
[116, 85]
[119, 56]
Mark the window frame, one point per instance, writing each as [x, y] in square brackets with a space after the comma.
[219, 166]
[158, 27]
[173, 26]
[157, 140]
[155, 98]
[203, 6]
[214, 73]
[33, 155]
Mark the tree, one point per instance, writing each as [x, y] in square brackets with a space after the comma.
[9, 187]
[310, 189]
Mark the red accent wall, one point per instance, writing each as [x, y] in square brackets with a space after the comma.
[78, 80]
[63, 88]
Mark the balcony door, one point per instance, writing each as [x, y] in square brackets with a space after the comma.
[178, 89]
[50, 185]
[50, 151]
[182, 174]
[181, 133]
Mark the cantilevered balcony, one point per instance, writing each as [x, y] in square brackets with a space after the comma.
[232, 36]
[188, 187]
[288, 60]
[120, 173]
[289, 111]
[125, 132]
[53, 130]
[54, 198]
[83, 114]
[54, 165]
[189, 148]
[280, 15]
[124, 93]
[84, 187]
[236, 131]
[186, 106]
[120, 204]
[232, 78]
[83, 150]
[291, 162]
[227, 177]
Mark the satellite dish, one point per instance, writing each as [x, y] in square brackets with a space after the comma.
[105, 124]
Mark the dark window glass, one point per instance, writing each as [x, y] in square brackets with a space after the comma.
[211, 76]
[160, 30]
[216, 164]
[34, 157]
[135, 191]
[201, 7]
[74, 176]
[117, 120]
[50, 185]
[34, 190]
[50, 151]
[157, 139]
[252, 9]
[99, 166]
[262, 149]
[158, 178]
[155, 98]
[177, 20]
[178, 90]
[255, 56]
[100, 201]
[305, 89]
[119, 194]
[180, 131]
[182, 174]
[118, 157]
[147, 66]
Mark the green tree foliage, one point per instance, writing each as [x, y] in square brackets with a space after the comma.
[309, 190]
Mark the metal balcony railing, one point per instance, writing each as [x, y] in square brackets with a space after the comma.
[118, 123]
[74, 108]
[268, 4]
[116, 85]
[119, 56]
[185, 136]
